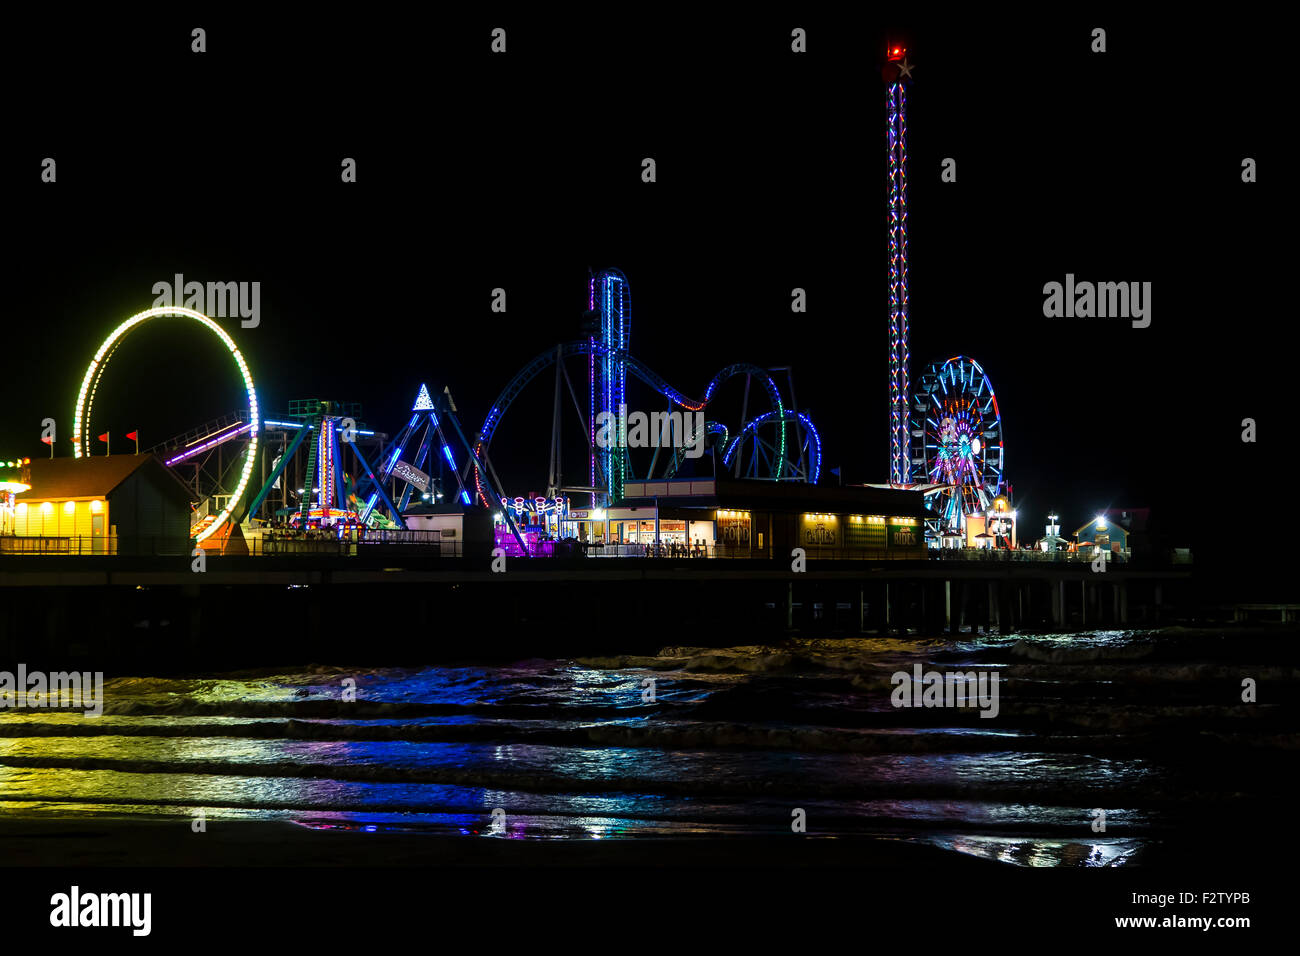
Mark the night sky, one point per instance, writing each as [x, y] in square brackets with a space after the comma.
[523, 171]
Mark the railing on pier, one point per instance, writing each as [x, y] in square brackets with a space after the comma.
[432, 544]
[423, 543]
[96, 544]
[428, 544]
[1139, 561]
[724, 552]
[632, 550]
[1007, 554]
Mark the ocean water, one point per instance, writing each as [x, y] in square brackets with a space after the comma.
[1148, 726]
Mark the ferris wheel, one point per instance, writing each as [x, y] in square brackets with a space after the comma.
[957, 439]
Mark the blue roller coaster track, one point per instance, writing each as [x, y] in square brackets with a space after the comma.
[779, 417]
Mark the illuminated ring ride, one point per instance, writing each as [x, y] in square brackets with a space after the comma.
[957, 431]
[90, 384]
[586, 347]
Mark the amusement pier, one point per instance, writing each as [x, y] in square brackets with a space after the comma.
[663, 516]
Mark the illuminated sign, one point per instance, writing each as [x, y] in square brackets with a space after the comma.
[820, 530]
[537, 506]
[903, 536]
[411, 475]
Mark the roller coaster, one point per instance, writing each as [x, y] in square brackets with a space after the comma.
[781, 444]
[348, 475]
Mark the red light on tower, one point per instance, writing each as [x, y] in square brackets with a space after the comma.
[895, 53]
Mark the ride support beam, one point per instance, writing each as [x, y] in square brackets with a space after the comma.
[379, 485]
[487, 479]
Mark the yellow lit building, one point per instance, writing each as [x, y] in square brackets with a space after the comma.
[101, 505]
[746, 517]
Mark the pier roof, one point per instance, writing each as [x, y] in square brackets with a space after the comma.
[777, 496]
[94, 477]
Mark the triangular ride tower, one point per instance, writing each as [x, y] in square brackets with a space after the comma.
[426, 427]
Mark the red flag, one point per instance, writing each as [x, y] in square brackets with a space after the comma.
[104, 437]
[133, 435]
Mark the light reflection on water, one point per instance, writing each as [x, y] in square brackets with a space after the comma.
[733, 740]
